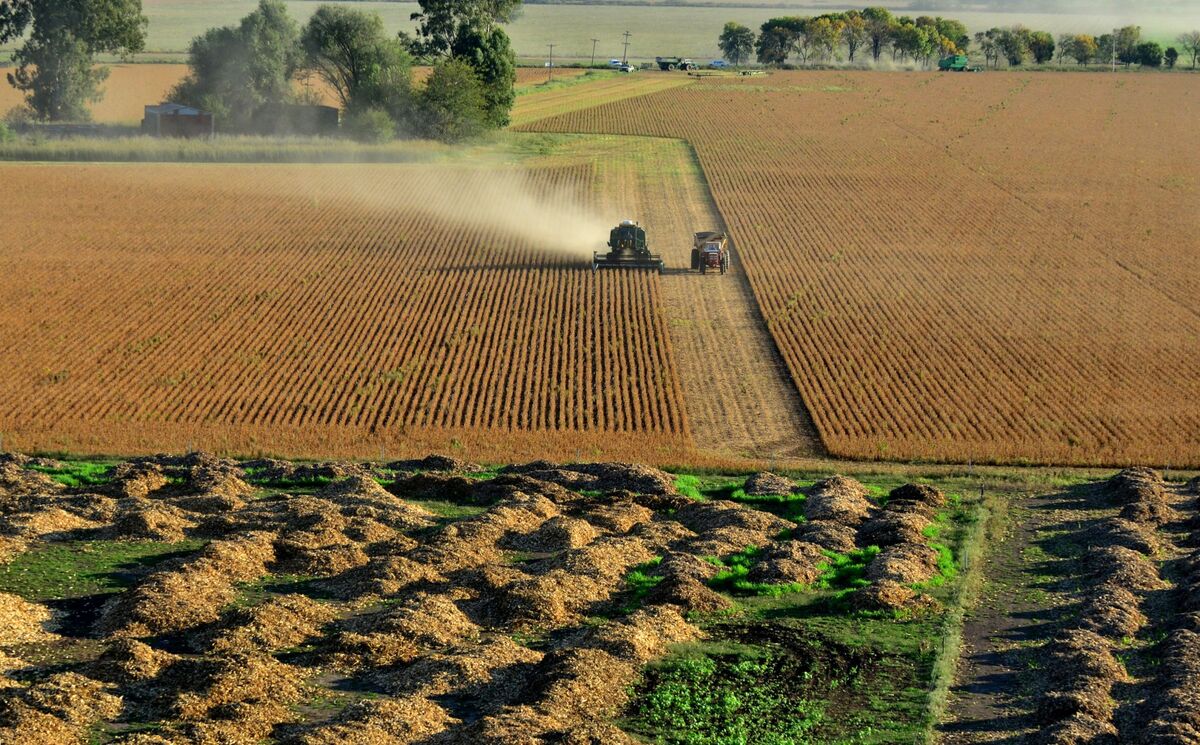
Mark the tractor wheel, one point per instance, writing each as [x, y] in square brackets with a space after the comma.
[695, 259]
[670, 68]
[703, 267]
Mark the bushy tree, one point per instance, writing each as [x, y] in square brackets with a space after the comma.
[1127, 40]
[1041, 46]
[880, 26]
[854, 32]
[1191, 45]
[1171, 56]
[778, 39]
[1149, 54]
[371, 124]
[736, 42]
[61, 37]
[821, 36]
[452, 105]
[349, 49]
[234, 71]
[491, 55]
[1082, 48]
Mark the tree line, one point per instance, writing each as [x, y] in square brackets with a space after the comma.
[240, 71]
[878, 33]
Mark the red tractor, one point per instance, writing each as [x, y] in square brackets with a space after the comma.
[711, 251]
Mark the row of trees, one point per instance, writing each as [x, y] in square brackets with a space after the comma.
[238, 71]
[847, 36]
[824, 38]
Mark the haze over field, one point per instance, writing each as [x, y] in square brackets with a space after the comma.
[691, 30]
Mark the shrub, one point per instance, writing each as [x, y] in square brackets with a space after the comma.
[371, 125]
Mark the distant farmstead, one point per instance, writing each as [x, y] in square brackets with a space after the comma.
[177, 120]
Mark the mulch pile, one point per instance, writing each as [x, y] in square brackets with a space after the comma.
[766, 484]
[907, 559]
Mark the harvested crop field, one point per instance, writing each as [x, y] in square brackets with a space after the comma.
[953, 267]
[128, 89]
[184, 599]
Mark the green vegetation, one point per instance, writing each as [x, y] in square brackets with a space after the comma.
[83, 568]
[639, 582]
[689, 486]
[78, 474]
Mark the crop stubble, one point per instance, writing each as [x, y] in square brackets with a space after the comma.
[990, 267]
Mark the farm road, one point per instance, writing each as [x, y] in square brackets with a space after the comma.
[738, 394]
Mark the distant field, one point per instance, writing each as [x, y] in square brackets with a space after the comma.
[657, 30]
[988, 267]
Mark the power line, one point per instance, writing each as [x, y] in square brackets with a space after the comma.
[625, 54]
[593, 52]
[550, 76]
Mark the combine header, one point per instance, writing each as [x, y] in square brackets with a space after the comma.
[627, 250]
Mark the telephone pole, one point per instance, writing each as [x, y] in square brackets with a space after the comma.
[594, 52]
[551, 73]
[625, 54]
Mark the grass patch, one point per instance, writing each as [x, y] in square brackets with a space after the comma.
[78, 474]
[58, 571]
[639, 582]
[689, 486]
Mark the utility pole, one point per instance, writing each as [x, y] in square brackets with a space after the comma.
[625, 54]
[1114, 59]
[594, 52]
[551, 75]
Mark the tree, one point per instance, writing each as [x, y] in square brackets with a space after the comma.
[1083, 48]
[452, 105]
[1171, 56]
[1041, 46]
[349, 49]
[778, 38]
[1063, 49]
[854, 32]
[1149, 54]
[61, 38]
[440, 22]
[1191, 45]
[1013, 44]
[491, 55]
[880, 26]
[989, 46]
[736, 42]
[235, 71]
[821, 36]
[1126, 41]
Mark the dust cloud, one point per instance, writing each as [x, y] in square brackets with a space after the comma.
[552, 219]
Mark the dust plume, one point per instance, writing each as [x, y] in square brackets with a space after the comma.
[551, 218]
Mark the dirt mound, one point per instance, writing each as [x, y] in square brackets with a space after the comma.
[829, 535]
[1142, 495]
[581, 685]
[520, 486]
[678, 564]
[838, 499]
[437, 463]
[1176, 705]
[22, 622]
[1118, 566]
[556, 534]
[219, 480]
[59, 709]
[11, 547]
[179, 598]
[919, 494]
[788, 562]
[688, 594]
[703, 517]
[149, 520]
[237, 699]
[281, 622]
[883, 595]
[892, 528]
[618, 515]
[383, 575]
[398, 721]
[1077, 654]
[16, 481]
[603, 477]
[906, 563]
[1118, 531]
[1111, 611]
[127, 661]
[49, 523]
[425, 620]
[765, 484]
[1076, 729]
[490, 673]
[135, 480]
[640, 637]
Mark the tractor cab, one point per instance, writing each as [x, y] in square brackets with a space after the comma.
[627, 250]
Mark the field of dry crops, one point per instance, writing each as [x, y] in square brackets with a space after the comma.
[198, 600]
[306, 309]
[995, 267]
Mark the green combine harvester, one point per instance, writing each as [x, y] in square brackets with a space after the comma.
[956, 63]
[627, 250]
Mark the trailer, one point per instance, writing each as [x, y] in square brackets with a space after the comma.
[671, 64]
[710, 250]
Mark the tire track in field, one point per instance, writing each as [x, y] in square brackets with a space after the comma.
[737, 392]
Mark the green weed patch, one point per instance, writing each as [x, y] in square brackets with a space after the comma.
[57, 571]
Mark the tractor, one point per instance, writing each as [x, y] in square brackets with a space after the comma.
[956, 63]
[710, 251]
[627, 250]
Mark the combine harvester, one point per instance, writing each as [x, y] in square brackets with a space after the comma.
[627, 250]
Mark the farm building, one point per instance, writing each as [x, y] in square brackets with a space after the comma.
[177, 120]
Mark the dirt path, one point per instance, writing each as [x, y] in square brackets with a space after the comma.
[737, 392]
